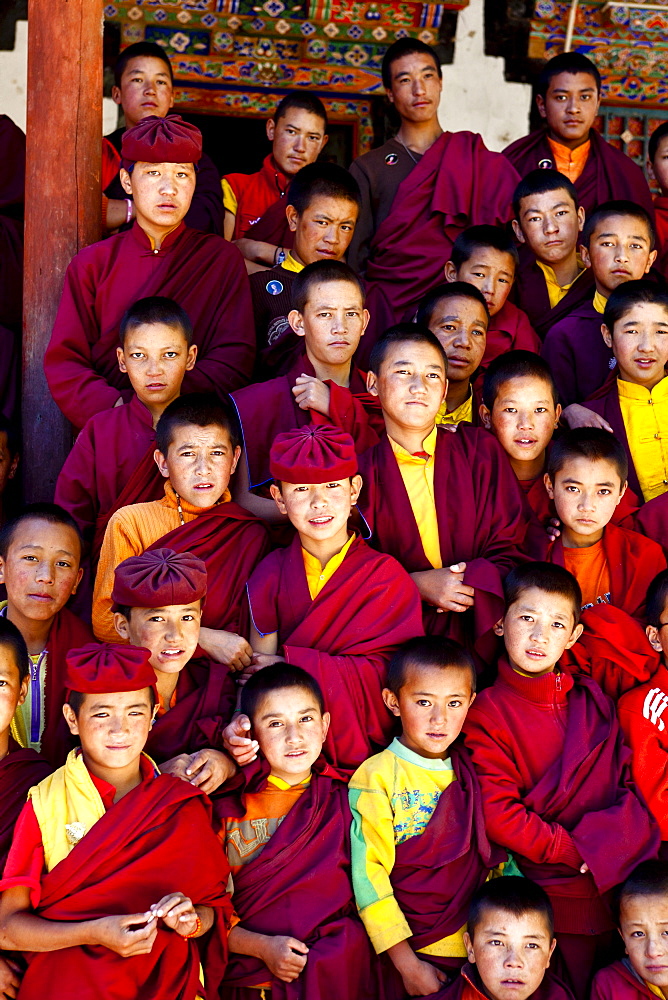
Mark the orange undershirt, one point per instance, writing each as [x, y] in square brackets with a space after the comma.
[590, 568]
[570, 162]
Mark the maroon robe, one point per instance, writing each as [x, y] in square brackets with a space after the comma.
[436, 873]
[606, 403]
[111, 453]
[530, 293]
[155, 840]
[231, 541]
[67, 632]
[205, 702]
[482, 519]
[19, 771]
[344, 638]
[633, 562]
[652, 520]
[509, 330]
[269, 408]
[204, 273]
[273, 227]
[299, 885]
[608, 174]
[468, 986]
[447, 191]
[619, 982]
[579, 358]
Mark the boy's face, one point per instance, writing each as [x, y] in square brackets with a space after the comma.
[411, 384]
[290, 730]
[432, 705]
[171, 633]
[537, 629]
[619, 250]
[511, 953]
[297, 138]
[324, 229]
[162, 192]
[523, 417]
[156, 358]
[332, 323]
[640, 343]
[146, 89]
[8, 462]
[585, 494]
[658, 167]
[490, 270]
[549, 223]
[644, 928]
[13, 690]
[460, 324]
[318, 511]
[415, 88]
[41, 570]
[658, 637]
[113, 728]
[199, 463]
[570, 107]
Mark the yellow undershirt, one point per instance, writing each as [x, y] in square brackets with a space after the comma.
[570, 162]
[463, 412]
[599, 302]
[230, 202]
[645, 416]
[555, 291]
[656, 990]
[316, 575]
[418, 476]
[290, 264]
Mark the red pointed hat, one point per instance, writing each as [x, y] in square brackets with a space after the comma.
[313, 454]
[162, 140]
[159, 578]
[106, 668]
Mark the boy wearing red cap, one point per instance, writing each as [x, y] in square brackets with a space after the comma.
[89, 893]
[198, 447]
[40, 553]
[159, 255]
[158, 600]
[330, 603]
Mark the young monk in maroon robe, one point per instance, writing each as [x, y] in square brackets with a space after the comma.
[285, 826]
[143, 86]
[19, 768]
[510, 942]
[198, 447]
[419, 848]
[617, 244]
[40, 552]
[586, 479]
[329, 602]
[328, 319]
[158, 599]
[159, 255]
[487, 257]
[156, 352]
[445, 504]
[643, 915]
[115, 870]
[554, 770]
[552, 281]
[568, 98]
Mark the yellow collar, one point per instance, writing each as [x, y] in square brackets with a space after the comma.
[290, 264]
[599, 302]
[283, 785]
[629, 390]
[428, 446]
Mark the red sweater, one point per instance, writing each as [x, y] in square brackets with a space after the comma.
[643, 716]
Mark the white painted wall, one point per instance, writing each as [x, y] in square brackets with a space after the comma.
[476, 97]
[13, 77]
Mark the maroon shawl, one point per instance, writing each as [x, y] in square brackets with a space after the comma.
[300, 886]
[273, 227]
[608, 173]
[157, 839]
[652, 520]
[530, 293]
[205, 702]
[67, 632]
[606, 402]
[19, 771]
[448, 190]
[482, 519]
[343, 638]
[589, 791]
[231, 541]
[550, 988]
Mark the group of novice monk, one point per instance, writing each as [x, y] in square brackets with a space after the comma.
[242, 755]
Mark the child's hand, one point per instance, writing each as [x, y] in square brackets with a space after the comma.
[576, 415]
[285, 957]
[236, 740]
[553, 527]
[177, 912]
[132, 934]
[209, 769]
[584, 868]
[260, 660]
[311, 394]
[421, 979]
[228, 648]
[10, 978]
[445, 588]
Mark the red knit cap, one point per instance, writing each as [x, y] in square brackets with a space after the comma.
[311, 454]
[159, 578]
[107, 668]
[162, 140]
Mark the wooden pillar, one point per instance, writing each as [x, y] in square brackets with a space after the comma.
[62, 204]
